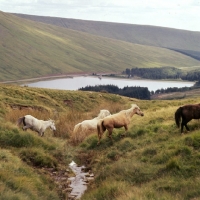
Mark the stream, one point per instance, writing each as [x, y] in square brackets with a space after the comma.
[78, 184]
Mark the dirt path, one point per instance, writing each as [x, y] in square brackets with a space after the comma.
[46, 78]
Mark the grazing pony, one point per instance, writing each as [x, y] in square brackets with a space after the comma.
[118, 120]
[34, 124]
[187, 113]
[81, 129]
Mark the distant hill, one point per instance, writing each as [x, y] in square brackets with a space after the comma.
[183, 41]
[31, 49]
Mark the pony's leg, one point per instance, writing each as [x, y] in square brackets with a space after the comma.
[126, 129]
[99, 135]
[184, 123]
[110, 133]
[99, 138]
[182, 126]
[26, 127]
[187, 127]
[41, 134]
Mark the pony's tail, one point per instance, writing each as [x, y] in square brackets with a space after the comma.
[100, 127]
[76, 136]
[178, 116]
[76, 128]
[20, 120]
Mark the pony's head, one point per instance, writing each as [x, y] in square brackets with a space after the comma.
[103, 113]
[52, 125]
[137, 110]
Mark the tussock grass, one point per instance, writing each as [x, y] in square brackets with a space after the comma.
[108, 190]
[37, 157]
[14, 138]
[19, 181]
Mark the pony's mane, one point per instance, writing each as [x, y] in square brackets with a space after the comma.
[51, 120]
[129, 111]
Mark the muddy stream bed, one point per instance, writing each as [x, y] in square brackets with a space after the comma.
[79, 182]
[70, 186]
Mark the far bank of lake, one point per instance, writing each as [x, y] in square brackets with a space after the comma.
[76, 83]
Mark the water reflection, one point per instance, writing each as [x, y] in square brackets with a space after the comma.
[79, 182]
[78, 82]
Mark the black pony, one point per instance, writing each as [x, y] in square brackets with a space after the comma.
[187, 112]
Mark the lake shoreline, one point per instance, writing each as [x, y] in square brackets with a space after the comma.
[71, 75]
[43, 78]
[80, 81]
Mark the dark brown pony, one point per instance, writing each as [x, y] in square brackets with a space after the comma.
[187, 113]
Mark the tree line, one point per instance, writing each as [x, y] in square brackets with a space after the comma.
[163, 73]
[171, 89]
[133, 92]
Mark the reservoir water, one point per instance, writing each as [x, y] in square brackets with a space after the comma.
[76, 83]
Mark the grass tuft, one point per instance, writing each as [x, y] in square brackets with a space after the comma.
[38, 158]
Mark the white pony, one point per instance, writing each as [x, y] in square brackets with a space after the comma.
[34, 124]
[87, 126]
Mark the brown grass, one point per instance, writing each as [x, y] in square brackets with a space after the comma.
[14, 115]
[65, 121]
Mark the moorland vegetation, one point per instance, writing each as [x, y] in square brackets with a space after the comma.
[154, 161]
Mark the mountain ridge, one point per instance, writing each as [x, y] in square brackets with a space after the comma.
[132, 33]
[31, 49]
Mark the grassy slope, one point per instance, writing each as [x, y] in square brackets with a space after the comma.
[178, 95]
[24, 155]
[138, 34]
[153, 162]
[30, 49]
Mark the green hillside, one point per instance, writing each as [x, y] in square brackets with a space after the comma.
[30, 49]
[184, 41]
[153, 161]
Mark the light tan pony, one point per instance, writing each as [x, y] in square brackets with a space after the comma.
[118, 120]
